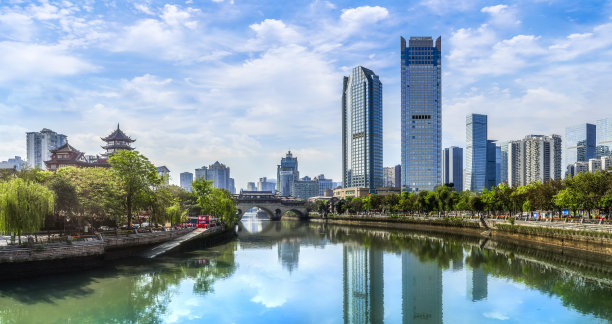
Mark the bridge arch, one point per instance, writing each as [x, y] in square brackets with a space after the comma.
[241, 209]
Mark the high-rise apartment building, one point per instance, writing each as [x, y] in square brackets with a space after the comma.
[251, 186]
[476, 152]
[286, 173]
[580, 143]
[362, 138]
[452, 167]
[219, 174]
[534, 158]
[603, 138]
[186, 179]
[40, 144]
[421, 104]
[264, 185]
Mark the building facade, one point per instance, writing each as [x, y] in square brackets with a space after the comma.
[117, 141]
[164, 173]
[503, 162]
[421, 116]
[251, 186]
[476, 152]
[186, 181]
[40, 144]
[264, 185]
[324, 184]
[603, 138]
[286, 173]
[66, 155]
[534, 158]
[362, 138]
[492, 169]
[16, 163]
[305, 188]
[580, 143]
[452, 167]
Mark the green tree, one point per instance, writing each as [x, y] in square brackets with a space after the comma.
[176, 214]
[24, 206]
[136, 175]
[215, 202]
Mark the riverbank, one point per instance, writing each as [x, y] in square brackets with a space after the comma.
[597, 244]
[53, 258]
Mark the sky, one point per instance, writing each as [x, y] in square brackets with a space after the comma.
[242, 82]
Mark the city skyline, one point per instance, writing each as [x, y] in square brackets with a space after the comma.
[261, 79]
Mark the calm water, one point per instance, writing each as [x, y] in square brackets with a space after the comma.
[291, 272]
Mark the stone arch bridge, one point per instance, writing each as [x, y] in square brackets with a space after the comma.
[275, 206]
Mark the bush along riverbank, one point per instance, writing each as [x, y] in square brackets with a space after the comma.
[596, 240]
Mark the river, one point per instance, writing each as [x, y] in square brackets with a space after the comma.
[297, 272]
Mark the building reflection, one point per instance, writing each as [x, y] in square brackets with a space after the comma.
[421, 290]
[289, 254]
[363, 284]
[476, 284]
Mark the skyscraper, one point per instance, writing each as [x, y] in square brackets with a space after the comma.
[452, 167]
[362, 152]
[286, 173]
[363, 283]
[603, 138]
[476, 152]
[421, 68]
[503, 162]
[264, 185]
[186, 180]
[534, 158]
[492, 173]
[40, 144]
[421, 290]
[580, 143]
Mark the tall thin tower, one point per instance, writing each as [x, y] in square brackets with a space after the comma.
[362, 153]
[421, 63]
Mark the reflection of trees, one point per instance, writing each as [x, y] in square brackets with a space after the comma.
[127, 293]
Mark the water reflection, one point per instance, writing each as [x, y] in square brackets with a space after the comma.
[340, 273]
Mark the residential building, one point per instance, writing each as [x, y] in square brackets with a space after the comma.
[603, 138]
[421, 113]
[304, 188]
[476, 152]
[452, 167]
[264, 185]
[595, 164]
[324, 184]
[580, 143]
[186, 181]
[535, 158]
[286, 173]
[362, 138]
[342, 193]
[40, 144]
[606, 163]
[251, 186]
[164, 173]
[201, 172]
[392, 176]
[16, 163]
[219, 174]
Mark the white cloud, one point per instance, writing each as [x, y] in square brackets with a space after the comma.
[271, 33]
[355, 19]
[496, 315]
[441, 7]
[502, 15]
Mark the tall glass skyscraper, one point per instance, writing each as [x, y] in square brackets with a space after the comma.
[476, 152]
[362, 151]
[604, 137]
[421, 68]
[580, 143]
[452, 167]
[286, 173]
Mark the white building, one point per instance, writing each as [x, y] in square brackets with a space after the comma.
[534, 158]
[40, 144]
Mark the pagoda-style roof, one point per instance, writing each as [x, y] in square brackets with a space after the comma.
[118, 135]
[67, 155]
[66, 148]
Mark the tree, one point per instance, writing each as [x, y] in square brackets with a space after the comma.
[216, 202]
[175, 213]
[136, 175]
[23, 206]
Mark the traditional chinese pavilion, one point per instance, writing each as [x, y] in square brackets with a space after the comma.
[66, 155]
[117, 141]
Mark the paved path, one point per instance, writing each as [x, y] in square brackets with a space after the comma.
[170, 245]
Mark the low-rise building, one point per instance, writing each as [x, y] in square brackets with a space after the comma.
[388, 190]
[342, 193]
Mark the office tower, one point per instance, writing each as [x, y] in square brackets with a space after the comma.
[398, 176]
[251, 186]
[363, 284]
[503, 162]
[362, 151]
[492, 168]
[452, 167]
[304, 188]
[231, 187]
[219, 174]
[476, 152]
[201, 172]
[40, 144]
[421, 290]
[324, 184]
[186, 180]
[286, 173]
[603, 138]
[534, 158]
[580, 143]
[421, 103]
[264, 185]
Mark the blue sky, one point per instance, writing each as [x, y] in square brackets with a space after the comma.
[243, 81]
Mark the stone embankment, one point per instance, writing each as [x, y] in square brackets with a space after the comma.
[592, 238]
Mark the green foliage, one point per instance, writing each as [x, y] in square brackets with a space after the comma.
[176, 214]
[511, 220]
[215, 202]
[136, 176]
[23, 206]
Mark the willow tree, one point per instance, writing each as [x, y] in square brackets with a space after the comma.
[136, 176]
[176, 214]
[23, 206]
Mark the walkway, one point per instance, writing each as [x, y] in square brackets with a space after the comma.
[173, 244]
